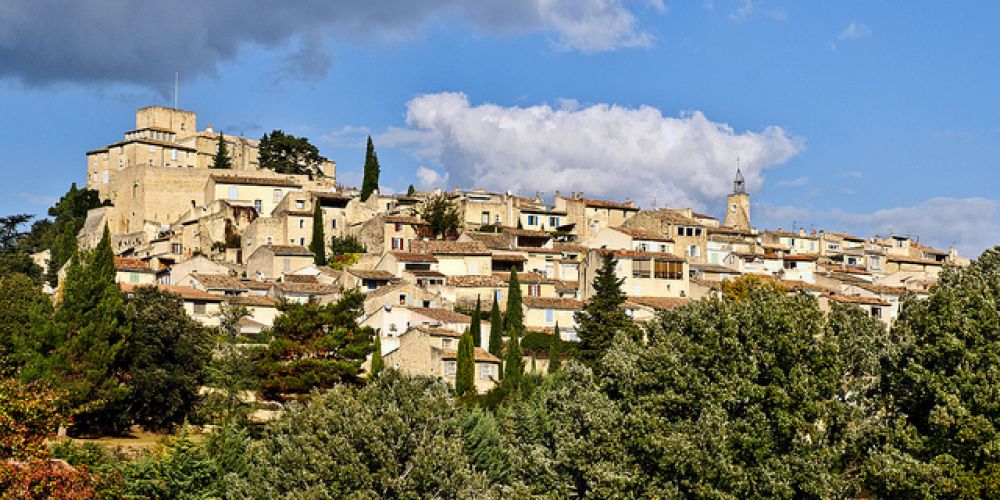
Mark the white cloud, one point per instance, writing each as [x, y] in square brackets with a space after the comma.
[969, 224]
[793, 183]
[40, 200]
[748, 9]
[431, 178]
[604, 150]
[855, 31]
[347, 137]
[852, 174]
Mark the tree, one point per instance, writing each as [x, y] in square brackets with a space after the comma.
[941, 394]
[27, 332]
[318, 243]
[164, 359]
[442, 216]
[394, 438]
[70, 213]
[221, 158]
[287, 154]
[513, 370]
[13, 256]
[485, 446]
[315, 346]
[230, 371]
[466, 366]
[410, 191]
[603, 317]
[495, 345]
[555, 351]
[88, 362]
[514, 326]
[372, 170]
[515, 311]
[345, 251]
[377, 364]
[475, 324]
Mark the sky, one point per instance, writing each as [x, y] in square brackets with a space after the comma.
[858, 116]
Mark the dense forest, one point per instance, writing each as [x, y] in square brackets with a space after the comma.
[757, 393]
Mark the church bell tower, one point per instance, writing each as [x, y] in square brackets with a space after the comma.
[738, 204]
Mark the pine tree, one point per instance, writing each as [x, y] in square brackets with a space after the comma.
[221, 158]
[318, 243]
[466, 369]
[91, 314]
[372, 169]
[377, 364]
[555, 351]
[410, 191]
[475, 326]
[603, 318]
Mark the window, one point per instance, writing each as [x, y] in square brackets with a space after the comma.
[449, 368]
[791, 264]
[446, 343]
[402, 299]
[277, 195]
[694, 251]
[302, 223]
[486, 218]
[487, 371]
[497, 219]
[173, 154]
[175, 248]
[498, 295]
[106, 175]
[258, 205]
[554, 221]
[333, 223]
[534, 290]
[663, 248]
[133, 277]
[549, 316]
[199, 308]
[299, 204]
[398, 227]
[234, 193]
[532, 220]
[152, 149]
[302, 241]
[642, 268]
[876, 312]
[150, 162]
[397, 243]
[268, 240]
[668, 269]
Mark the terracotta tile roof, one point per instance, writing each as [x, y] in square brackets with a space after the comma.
[493, 241]
[882, 289]
[383, 290]
[843, 236]
[289, 250]
[671, 216]
[702, 216]
[846, 278]
[527, 233]
[440, 247]
[531, 278]
[442, 315]
[439, 332]
[299, 213]
[905, 259]
[658, 303]
[424, 274]
[509, 257]
[569, 247]
[372, 274]
[404, 219]
[727, 230]
[645, 255]
[474, 281]
[643, 234]
[844, 269]
[255, 181]
[331, 196]
[218, 281]
[802, 257]
[185, 292]
[552, 303]
[855, 299]
[132, 265]
[255, 285]
[413, 257]
[299, 278]
[567, 286]
[712, 268]
[547, 251]
[252, 300]
[608, 204]
[306, 288]
[482, 356]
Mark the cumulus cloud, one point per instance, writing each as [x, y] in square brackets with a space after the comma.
[430, 178]
[969, 224]
[603, 149]
[85, 41]
[793, 183]
[855, 31]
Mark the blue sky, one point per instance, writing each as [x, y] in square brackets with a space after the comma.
[859, 116]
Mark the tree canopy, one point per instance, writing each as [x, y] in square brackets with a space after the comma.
[373, 169]
[602, 318]
[221, 158]
[287, 154]
[442, 216]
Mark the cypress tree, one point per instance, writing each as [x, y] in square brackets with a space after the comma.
[514, 366]
[91, 314]
[318, 243]
[466, 369]
[476, 326]
[602, 318]
[555, 351]
[496, 333]
[372, 169]
[410, 191]
[515, 313]
[221, 158]
[377, 364]
[514, 362]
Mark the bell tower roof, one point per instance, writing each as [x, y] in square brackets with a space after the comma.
[739, 185]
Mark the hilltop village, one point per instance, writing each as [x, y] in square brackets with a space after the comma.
[243, 235]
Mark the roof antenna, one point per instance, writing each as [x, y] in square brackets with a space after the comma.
[177, 86]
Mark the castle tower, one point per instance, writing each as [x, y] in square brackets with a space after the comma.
[738, 204]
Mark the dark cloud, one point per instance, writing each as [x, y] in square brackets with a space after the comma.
[110, 41]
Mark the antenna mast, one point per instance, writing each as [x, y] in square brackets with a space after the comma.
[177, 86]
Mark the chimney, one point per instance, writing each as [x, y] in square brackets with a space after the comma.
[209, 129]
[802, 231]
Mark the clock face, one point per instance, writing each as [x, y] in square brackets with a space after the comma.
[733, 208]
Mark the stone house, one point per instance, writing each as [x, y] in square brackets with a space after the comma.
[544, 313]
[432, 352]
[690, 237]
[197, 264]
[654, 274]
[200, 305]
[271, 261]
[263, 310]
[587, 216]
[387, 233]
[457, 258]
[137, 272]
[631, 238]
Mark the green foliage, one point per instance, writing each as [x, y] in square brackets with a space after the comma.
[442, 216]
[555, 351]
[514, 319]
[465, 372]
[315, 346]
[741, 287]
[70, 213]
[229, 374]
[318, 243]
[163, 359]
[14, 251]
[485, 445]
[28, 414]
[410, 191]
[602, 318]
[475, 324]
[287, 154]
[496, 331]
[513, 369]
[341, 245]
[221, 158]
[377, 364]
[27, 331]
[87, 363]
[182, 469]
[369, 183]
[941, 396]
[395, 438]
